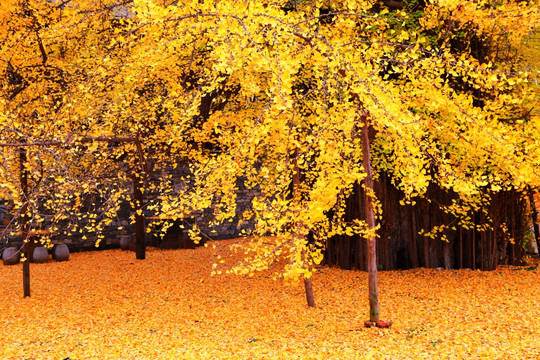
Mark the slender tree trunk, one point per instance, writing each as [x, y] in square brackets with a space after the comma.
[473, 249]
[140, 233]
[460, 248]
[26, 275]
[140, 236]
[482, 244]
[495, 251]
[346, 253]
[308, 285]
[513, 254]
[309, 292]
[482, 255]
[27, 246]
[426, 251]
[426, 223]
[374, 311]
[494, 261]
[412, 246]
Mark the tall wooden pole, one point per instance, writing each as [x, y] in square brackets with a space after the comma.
[27, 246]
[374, 315]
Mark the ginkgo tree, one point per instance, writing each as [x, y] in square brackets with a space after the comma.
[283, 96]
[300, 87]
[54, 164]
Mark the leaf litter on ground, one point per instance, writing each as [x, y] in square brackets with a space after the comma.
[107, 305]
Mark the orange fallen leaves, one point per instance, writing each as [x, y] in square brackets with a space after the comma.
[107, 305]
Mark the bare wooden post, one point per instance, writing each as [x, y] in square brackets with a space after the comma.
[27, 246]
[374, 312]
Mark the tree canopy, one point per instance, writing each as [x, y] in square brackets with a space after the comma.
[265, 91]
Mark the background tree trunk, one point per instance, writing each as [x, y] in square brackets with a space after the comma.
[534, 214]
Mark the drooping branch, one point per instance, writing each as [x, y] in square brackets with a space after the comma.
[68, 144]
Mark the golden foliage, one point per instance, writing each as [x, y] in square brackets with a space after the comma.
[106, 305]
[251, 91]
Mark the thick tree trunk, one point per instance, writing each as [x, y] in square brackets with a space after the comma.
[374, 313]
[447, 255]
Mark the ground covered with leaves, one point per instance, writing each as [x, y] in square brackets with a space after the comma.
[107, 305]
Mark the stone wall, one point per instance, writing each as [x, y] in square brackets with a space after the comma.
[112, 233]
